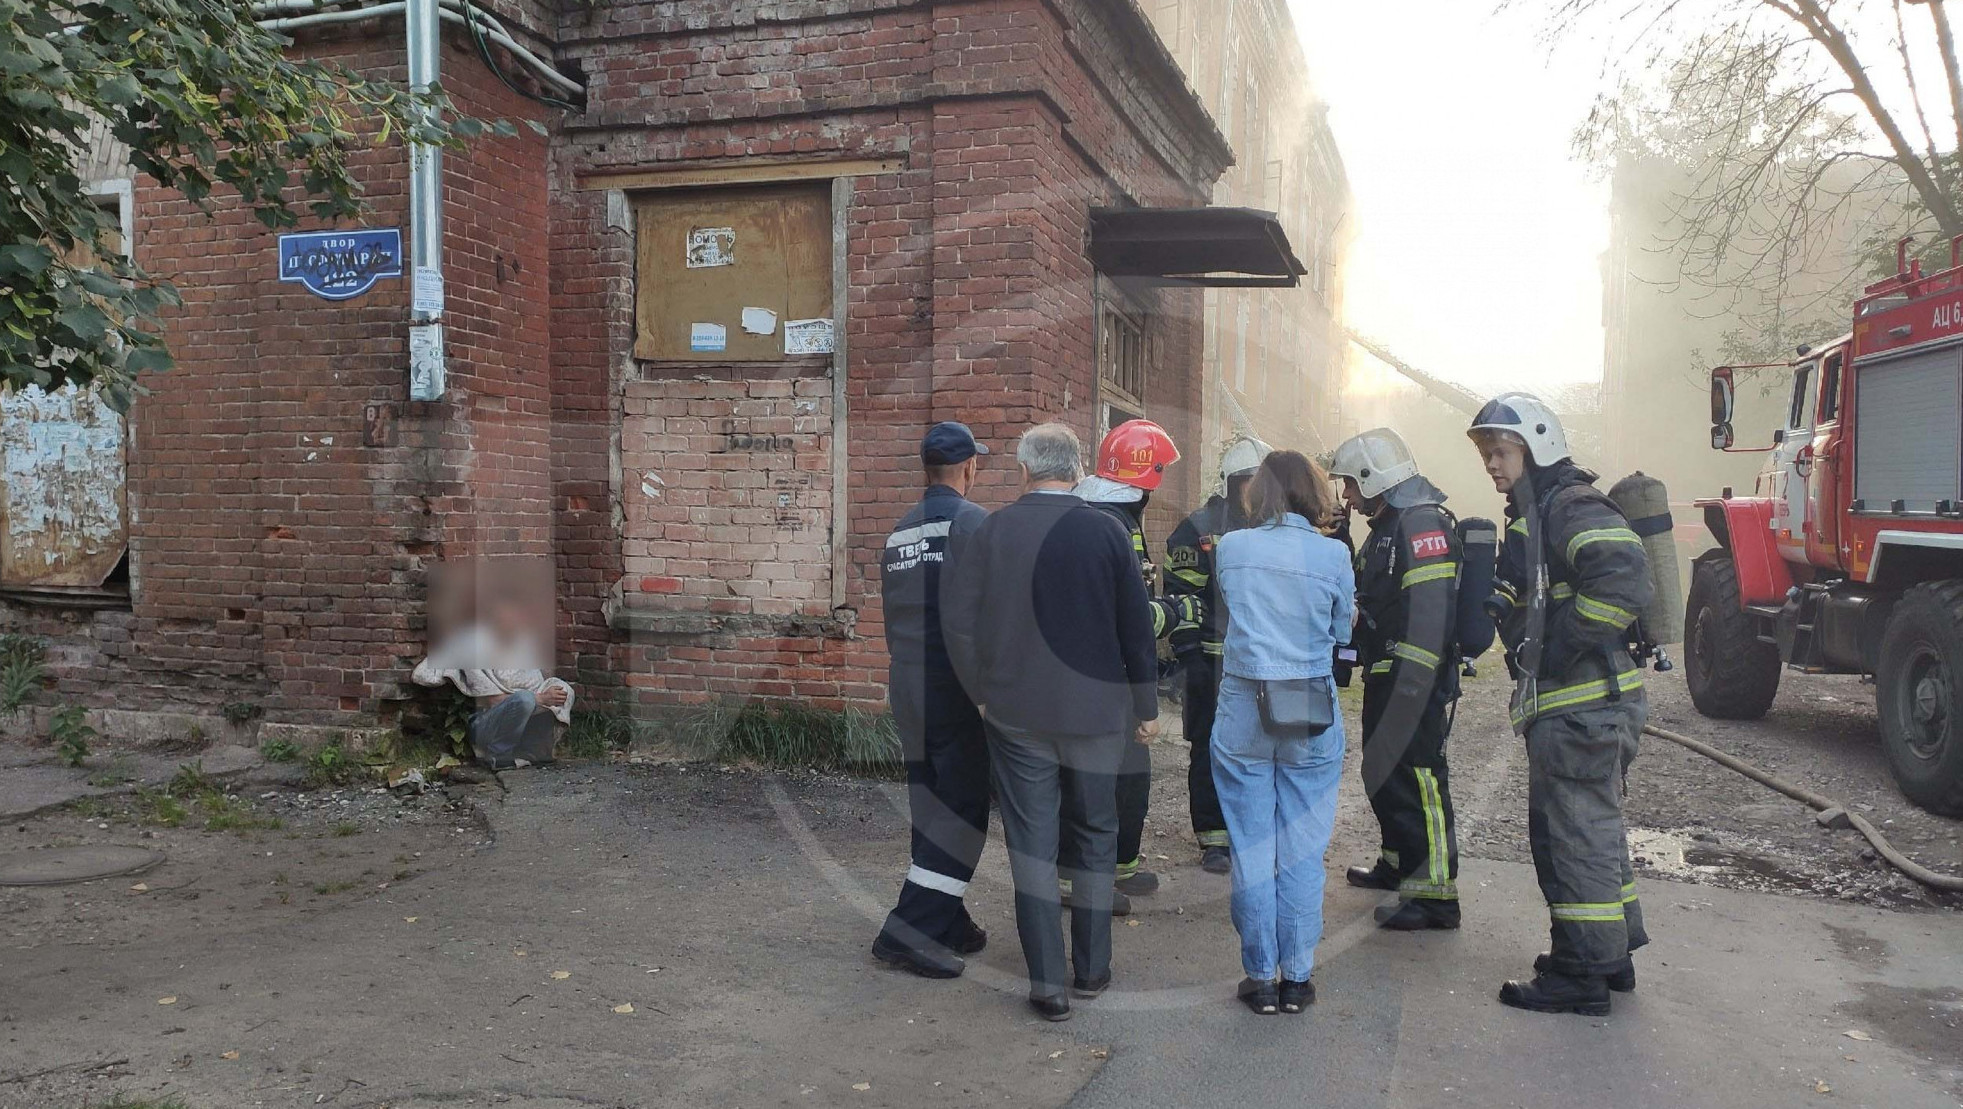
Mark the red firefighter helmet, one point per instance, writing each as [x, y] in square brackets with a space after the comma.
[1136, 453]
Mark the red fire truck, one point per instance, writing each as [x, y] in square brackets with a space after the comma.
[1847, 558]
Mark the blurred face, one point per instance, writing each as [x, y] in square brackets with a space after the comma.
[1506, 461]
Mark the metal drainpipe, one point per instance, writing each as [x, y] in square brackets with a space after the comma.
[426, 376]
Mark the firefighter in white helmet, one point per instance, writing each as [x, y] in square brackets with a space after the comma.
[1189, 574]
[1406, 585]
[1572, 577]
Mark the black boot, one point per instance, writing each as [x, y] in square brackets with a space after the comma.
[934, 962]
[1120, 904]
[1553, 992]
[1371, 877]
[1051, 1008]
[1217, 860]
[1140, 883]
[1418, 914]
[966, 937]
[1622, 981]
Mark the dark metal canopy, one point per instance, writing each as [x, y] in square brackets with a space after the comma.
[1208, 247]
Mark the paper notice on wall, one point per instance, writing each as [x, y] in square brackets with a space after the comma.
[807, 336]
[711, 246]
[759, 321]
[426, 377]
[708, 337]
[427, 292]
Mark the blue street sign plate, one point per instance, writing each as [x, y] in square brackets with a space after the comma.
[340, 264]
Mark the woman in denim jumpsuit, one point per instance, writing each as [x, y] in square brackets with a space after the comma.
[1290, 594]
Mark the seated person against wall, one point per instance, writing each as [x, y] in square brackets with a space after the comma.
[487, 646]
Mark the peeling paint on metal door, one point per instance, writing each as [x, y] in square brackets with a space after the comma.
[62, 457]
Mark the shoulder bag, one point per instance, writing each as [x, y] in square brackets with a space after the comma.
[1296, 708]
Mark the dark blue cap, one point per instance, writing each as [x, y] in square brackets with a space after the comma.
[946, 444]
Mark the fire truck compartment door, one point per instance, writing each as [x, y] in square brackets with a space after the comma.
[1908, 437]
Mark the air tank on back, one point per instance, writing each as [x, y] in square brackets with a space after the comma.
[1646, 503]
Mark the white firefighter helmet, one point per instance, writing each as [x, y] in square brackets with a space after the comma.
[1243, 457]
[1527, 418]
[1376, 460]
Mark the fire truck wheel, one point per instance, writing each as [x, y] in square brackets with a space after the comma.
[1731, 674]
[1916, 688]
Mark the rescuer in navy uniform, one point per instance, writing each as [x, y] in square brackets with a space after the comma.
[940, 728]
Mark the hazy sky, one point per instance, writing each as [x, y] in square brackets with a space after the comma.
[1478, 235]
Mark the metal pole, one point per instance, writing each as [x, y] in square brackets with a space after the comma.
[425, 216]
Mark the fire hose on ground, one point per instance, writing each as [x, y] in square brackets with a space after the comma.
[1901, 862]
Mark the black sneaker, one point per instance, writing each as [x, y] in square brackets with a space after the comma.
[1296, 996]
[1559, 993]
[1622, 981]
[1089, 988]
[1418, 914]
[1050, 1008]
[1217, 860]
[927, 964]
[1371, 878]
[1142, 883]
[1262, 997]
[965, 938]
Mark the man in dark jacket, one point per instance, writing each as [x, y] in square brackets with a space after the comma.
[940, 729]
[1572, 577]
[1050, 627]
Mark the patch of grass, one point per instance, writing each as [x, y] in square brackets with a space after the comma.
[436, 724]
[278, 750]
[792, 735]
[346, 828]
[332, 766]
[191, 780]
[280, 878]
[595, 734]
[226, 814]
[70, 732]
[240, 713]
[88, 808]
[326, 888]
[119, 1102]
[21, 669]
[402, 875]
[160, 808]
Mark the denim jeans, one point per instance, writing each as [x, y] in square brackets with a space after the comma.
[517, 727]
[1279, 796]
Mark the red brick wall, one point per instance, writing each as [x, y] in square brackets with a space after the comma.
[277, 557]
[970, 295]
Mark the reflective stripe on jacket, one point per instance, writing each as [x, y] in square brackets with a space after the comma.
[1598, 580]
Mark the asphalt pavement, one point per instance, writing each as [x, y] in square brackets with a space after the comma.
[731, 910]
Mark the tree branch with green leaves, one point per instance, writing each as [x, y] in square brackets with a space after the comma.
[205, 100]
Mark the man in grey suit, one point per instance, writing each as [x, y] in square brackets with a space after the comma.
[1049, 625]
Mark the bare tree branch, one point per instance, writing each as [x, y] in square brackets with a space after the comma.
[1946, 42]
[1914, 91]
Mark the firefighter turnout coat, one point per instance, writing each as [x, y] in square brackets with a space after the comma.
[1407, 588]
[1581, 708]
[1598, 580]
